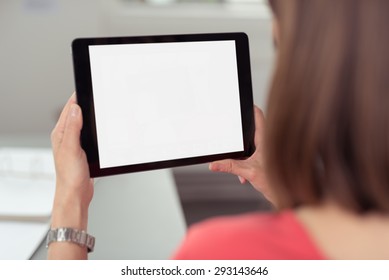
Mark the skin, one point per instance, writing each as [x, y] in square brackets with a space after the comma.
[342, 234]
[74, 187]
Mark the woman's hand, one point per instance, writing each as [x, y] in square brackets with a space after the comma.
[74, 187]
[251, 169]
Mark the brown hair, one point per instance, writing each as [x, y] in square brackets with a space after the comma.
[327, 131]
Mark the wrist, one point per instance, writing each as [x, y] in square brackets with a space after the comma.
[69, 215]
[71, 203]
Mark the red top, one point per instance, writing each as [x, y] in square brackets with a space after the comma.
[249, 236]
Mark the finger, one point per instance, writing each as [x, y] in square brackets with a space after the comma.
[236, 167]
[71, 135]
[57, 133]
[222, 166]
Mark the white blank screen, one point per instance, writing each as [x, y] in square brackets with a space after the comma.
[165, 101]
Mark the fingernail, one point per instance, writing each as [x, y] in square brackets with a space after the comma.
[74, 110]
[214, 167]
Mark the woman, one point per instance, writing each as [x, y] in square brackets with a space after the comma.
[322, 158]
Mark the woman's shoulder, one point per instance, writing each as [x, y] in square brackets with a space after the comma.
[249, 236]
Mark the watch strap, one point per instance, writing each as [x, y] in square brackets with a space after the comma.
[72, 235]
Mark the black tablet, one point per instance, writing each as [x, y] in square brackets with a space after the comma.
[155, 102]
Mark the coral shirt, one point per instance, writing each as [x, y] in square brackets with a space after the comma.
[271, 236]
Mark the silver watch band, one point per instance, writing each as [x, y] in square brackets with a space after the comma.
[76, 236]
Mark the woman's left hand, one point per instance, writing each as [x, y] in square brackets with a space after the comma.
[250, 169]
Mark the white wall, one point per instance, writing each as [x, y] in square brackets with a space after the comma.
[36, 75]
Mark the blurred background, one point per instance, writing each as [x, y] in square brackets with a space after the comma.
[36, 75]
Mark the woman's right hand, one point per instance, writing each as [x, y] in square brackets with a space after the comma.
[252, 168]
[74, 187]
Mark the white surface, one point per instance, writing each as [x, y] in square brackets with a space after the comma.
[27, 183]
[135, 216]
[27, 186]
[156, 102]
[19, 240]
[33, 162]
[26, 199]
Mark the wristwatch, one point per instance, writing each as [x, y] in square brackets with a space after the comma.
[72, 235]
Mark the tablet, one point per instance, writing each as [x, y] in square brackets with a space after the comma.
[152, 102]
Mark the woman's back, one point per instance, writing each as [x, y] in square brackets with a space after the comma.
[321, 232]
[249, 236]
[341, 234]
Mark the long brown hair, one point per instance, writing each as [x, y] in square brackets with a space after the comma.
[327, 131]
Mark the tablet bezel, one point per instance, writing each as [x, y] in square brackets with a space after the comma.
[83, 84]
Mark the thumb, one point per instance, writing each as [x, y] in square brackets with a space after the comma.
[71, 137]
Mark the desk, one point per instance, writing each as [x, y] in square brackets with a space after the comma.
[132, 216]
